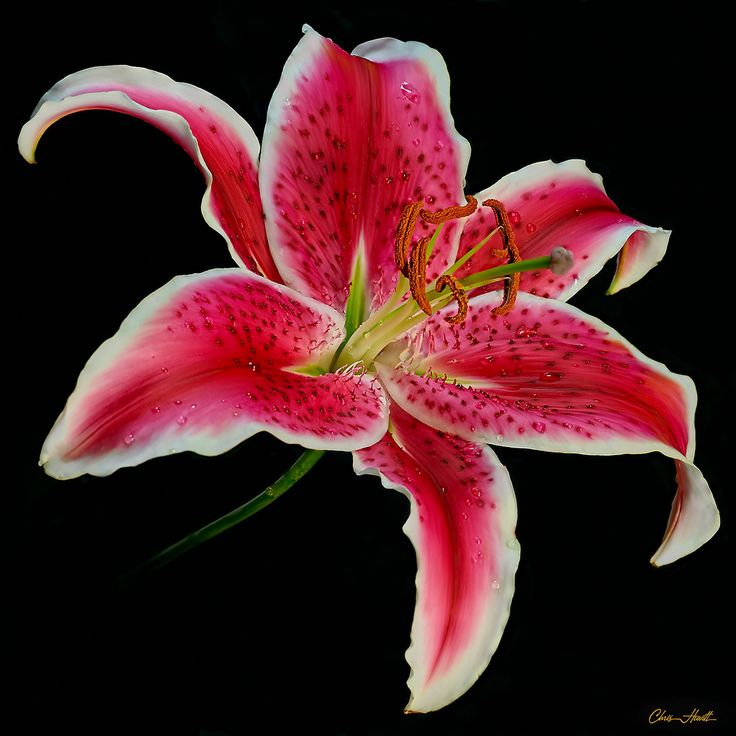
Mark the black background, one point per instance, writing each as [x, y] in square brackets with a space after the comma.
[298, 620]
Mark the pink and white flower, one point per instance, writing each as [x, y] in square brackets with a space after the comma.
[314, 338]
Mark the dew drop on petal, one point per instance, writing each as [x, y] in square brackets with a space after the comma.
[495, 585]
[550, 377]
[129, 439]
[182, 420]
[531, 228]
[514, 217]
[525, 331]
[539, 427]
[477, 540]
[155, 410]
[410, 92]
[417, 141]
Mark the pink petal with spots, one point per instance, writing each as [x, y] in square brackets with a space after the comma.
[204, 363]
[349, 142]
[548, 377]
[461, 523]
[221, 143]
[563, 204]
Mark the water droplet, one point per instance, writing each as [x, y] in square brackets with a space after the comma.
[429, 199]
[178, 402]
[182, 420]
[417, 141]
[550, 377]
[476, 491]
[156, 410]
[193, 406]
[514, 217]
[464, 515]
[499, 438]
[164, 370]
[524, 331]
[438, 145]
[410, 92]
[495, 585]
[478, 540]
[317, 155]
[540, 427]
[531, 228]
[129, 439]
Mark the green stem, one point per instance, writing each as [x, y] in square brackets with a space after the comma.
[299, 469]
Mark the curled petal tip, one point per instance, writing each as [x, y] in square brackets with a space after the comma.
[694, 518]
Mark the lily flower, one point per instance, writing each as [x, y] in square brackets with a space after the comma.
[376, 310]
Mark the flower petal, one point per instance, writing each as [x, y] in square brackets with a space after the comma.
[221, 143]
[202, 364]
[694, 518]
[349, 141]
[462, 521]
[564, 204]
[549, 377]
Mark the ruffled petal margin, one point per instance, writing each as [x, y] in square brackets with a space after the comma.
[220, 142]
[461, 523]
[204, 363]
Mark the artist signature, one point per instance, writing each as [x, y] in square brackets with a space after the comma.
[660, 715]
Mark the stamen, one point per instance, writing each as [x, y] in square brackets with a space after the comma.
[404, 234]
[418, 274]
[459, 293]
[511, 282]
[451, 213]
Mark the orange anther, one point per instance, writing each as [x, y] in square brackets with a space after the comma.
[418, 275]
[451, 213]
[404, 234]
[511, 282]
[459, 293]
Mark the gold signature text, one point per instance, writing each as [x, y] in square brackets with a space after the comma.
[660, 715]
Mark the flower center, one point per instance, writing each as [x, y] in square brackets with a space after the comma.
[398, 315]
